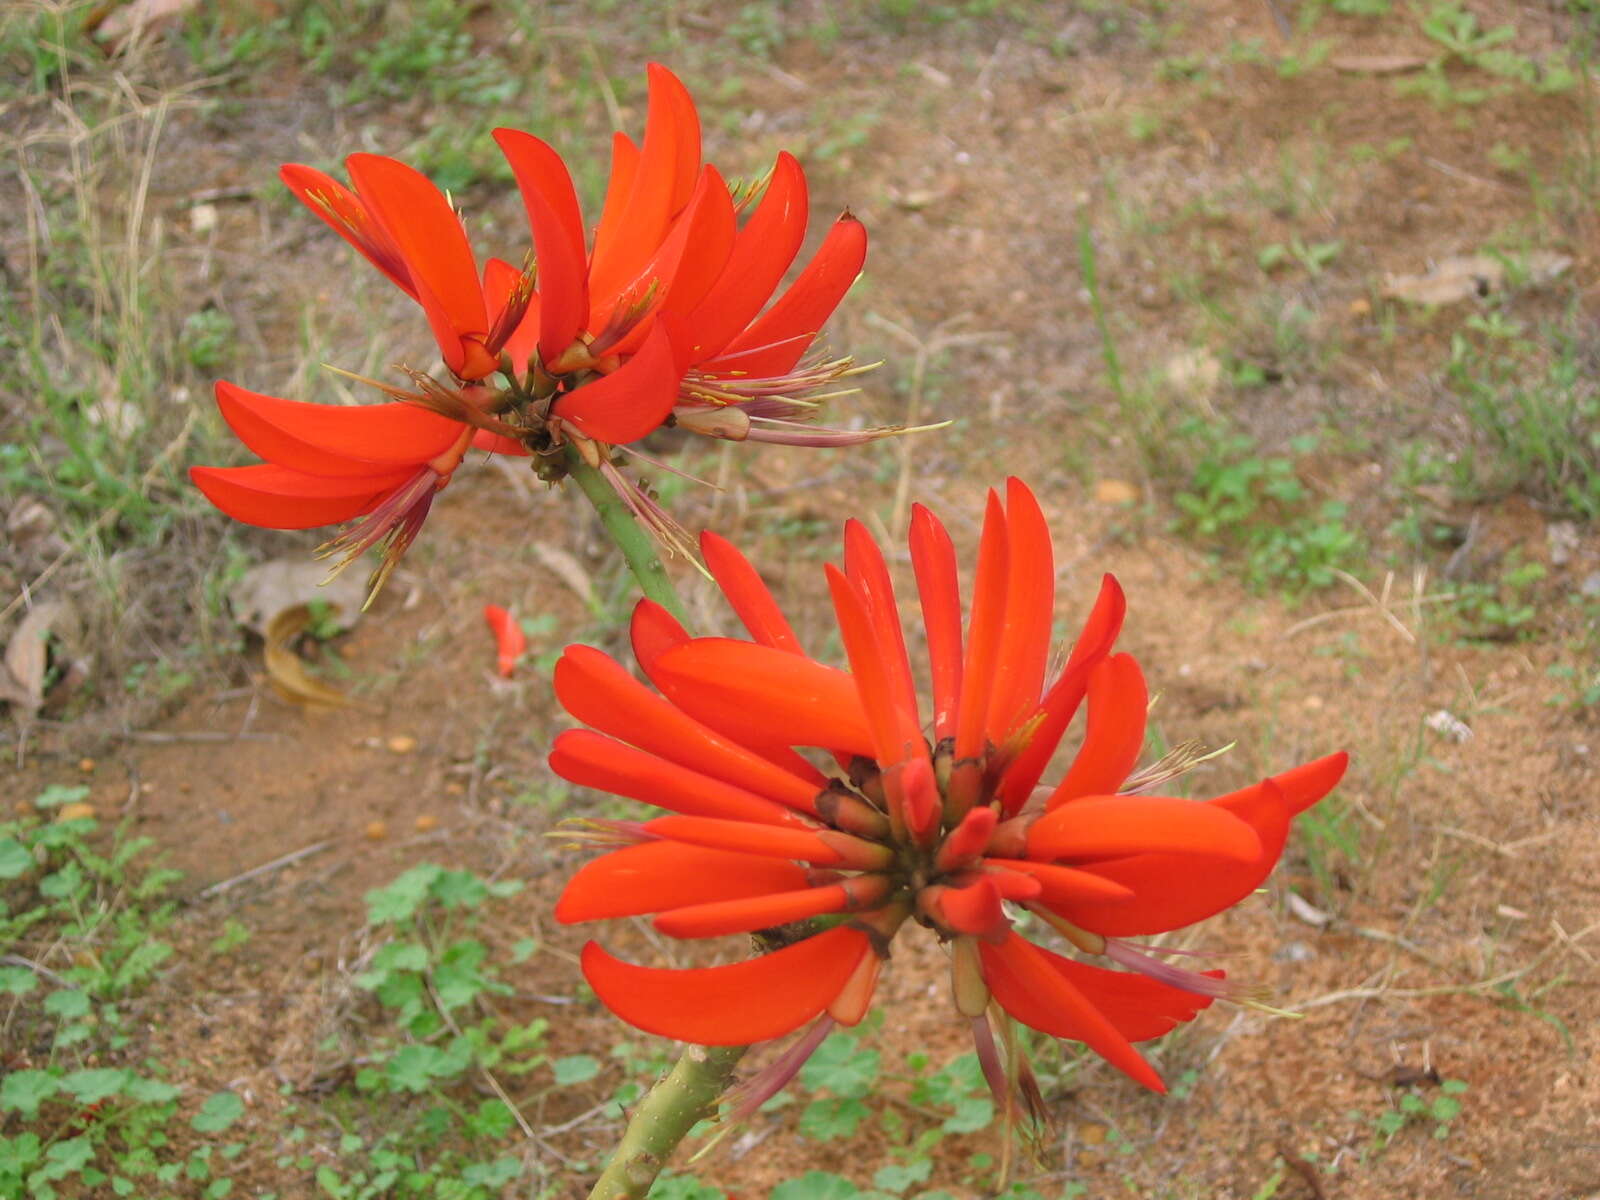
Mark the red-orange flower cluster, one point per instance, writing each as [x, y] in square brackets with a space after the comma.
[930, 816]
[664, 319]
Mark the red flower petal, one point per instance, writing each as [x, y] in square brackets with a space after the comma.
[779, 337]
[1061, 702]
[734, 1005]
[657, 876]
[1140, 1008]
[895, 736]
[1173, 891]
[597, 691]
[653, 631]
[1030, 606]
[591, 759]
[631, 401]
[1118, 705]
[933, 557]
[510, 642]
[1031, 990]
[747, 593]
[336, 439]
[758, 694]
[761, 253]
[428, 232]
[984, 628]
[662, 182]
[347, 216]
[275, 497]
[1104, 826]
[1067, 885]
[746, 915]
[869, 575]
[557, 225]
[743, 837]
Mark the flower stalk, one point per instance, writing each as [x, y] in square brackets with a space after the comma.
[688, 1094]
[635, 542]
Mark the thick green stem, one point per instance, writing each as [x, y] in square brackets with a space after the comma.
[670, 1109]
[636, 544]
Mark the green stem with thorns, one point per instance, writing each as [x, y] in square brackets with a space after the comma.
[688, 1094]
[637, 546]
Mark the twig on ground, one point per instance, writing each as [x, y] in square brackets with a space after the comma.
[216, 889]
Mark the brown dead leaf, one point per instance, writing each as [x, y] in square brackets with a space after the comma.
[1463, 276]
[286, 671]
[268, 588]
[135, 17]
[1377, 64]
[28, 655]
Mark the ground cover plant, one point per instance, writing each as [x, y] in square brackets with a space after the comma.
[1283, 313]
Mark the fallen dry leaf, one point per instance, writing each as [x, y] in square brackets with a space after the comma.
[1463, 276]
[567, 569]
[269, 588]
[286, 671]
[1377, 64]
[137, 17]
[28, 655]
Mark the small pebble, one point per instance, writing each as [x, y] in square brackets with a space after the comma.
[86, 765]
[75, 812]
[376, 831]
[426, 823]
[402, 743]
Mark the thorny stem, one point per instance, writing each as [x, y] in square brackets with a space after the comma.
[692, 1088]
[637, 547]
[668, 1111]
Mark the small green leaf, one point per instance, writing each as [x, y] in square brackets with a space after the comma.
[575, 1068]
[18, 981]
[24, 1091]
[842, 1067]
[152, 1091]
[816, 1185]
[824, 1120]
[58, 794]
[219, 1112]
[96, 1083]
[401, 899]
[68, 1004]
[14, 858]
[898, 1177]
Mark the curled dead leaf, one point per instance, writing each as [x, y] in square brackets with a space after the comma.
[27, 655]
[567, 569]
[269, 588]
[1464, 276]
[287, 672]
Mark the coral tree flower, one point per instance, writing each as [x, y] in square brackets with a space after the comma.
[668, 318]
[925, 814]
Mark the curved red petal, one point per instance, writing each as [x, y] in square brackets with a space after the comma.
[342, 210]
[594, 760]
[1025, 984]
[631, 401]
[766, 696]
[984, 628]
[510, 642]
[653, 631]
[779, 337]
[896, 739]
[933, 558]
[657, 876]
[745, 837]
[1030, 607]
[1107, 826]
[1172, 891]
[428, 232]
[494, 443]
[1061, 702]
[746, 915]
[275, 497]
[747, 593]
[761, 253]
[1067, 885]
[335, 439]
[599, 692]
[557, 224]
[1139, 1007]
[661, 183]
[869, 574]
[734, 1005]
[1118, 705]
